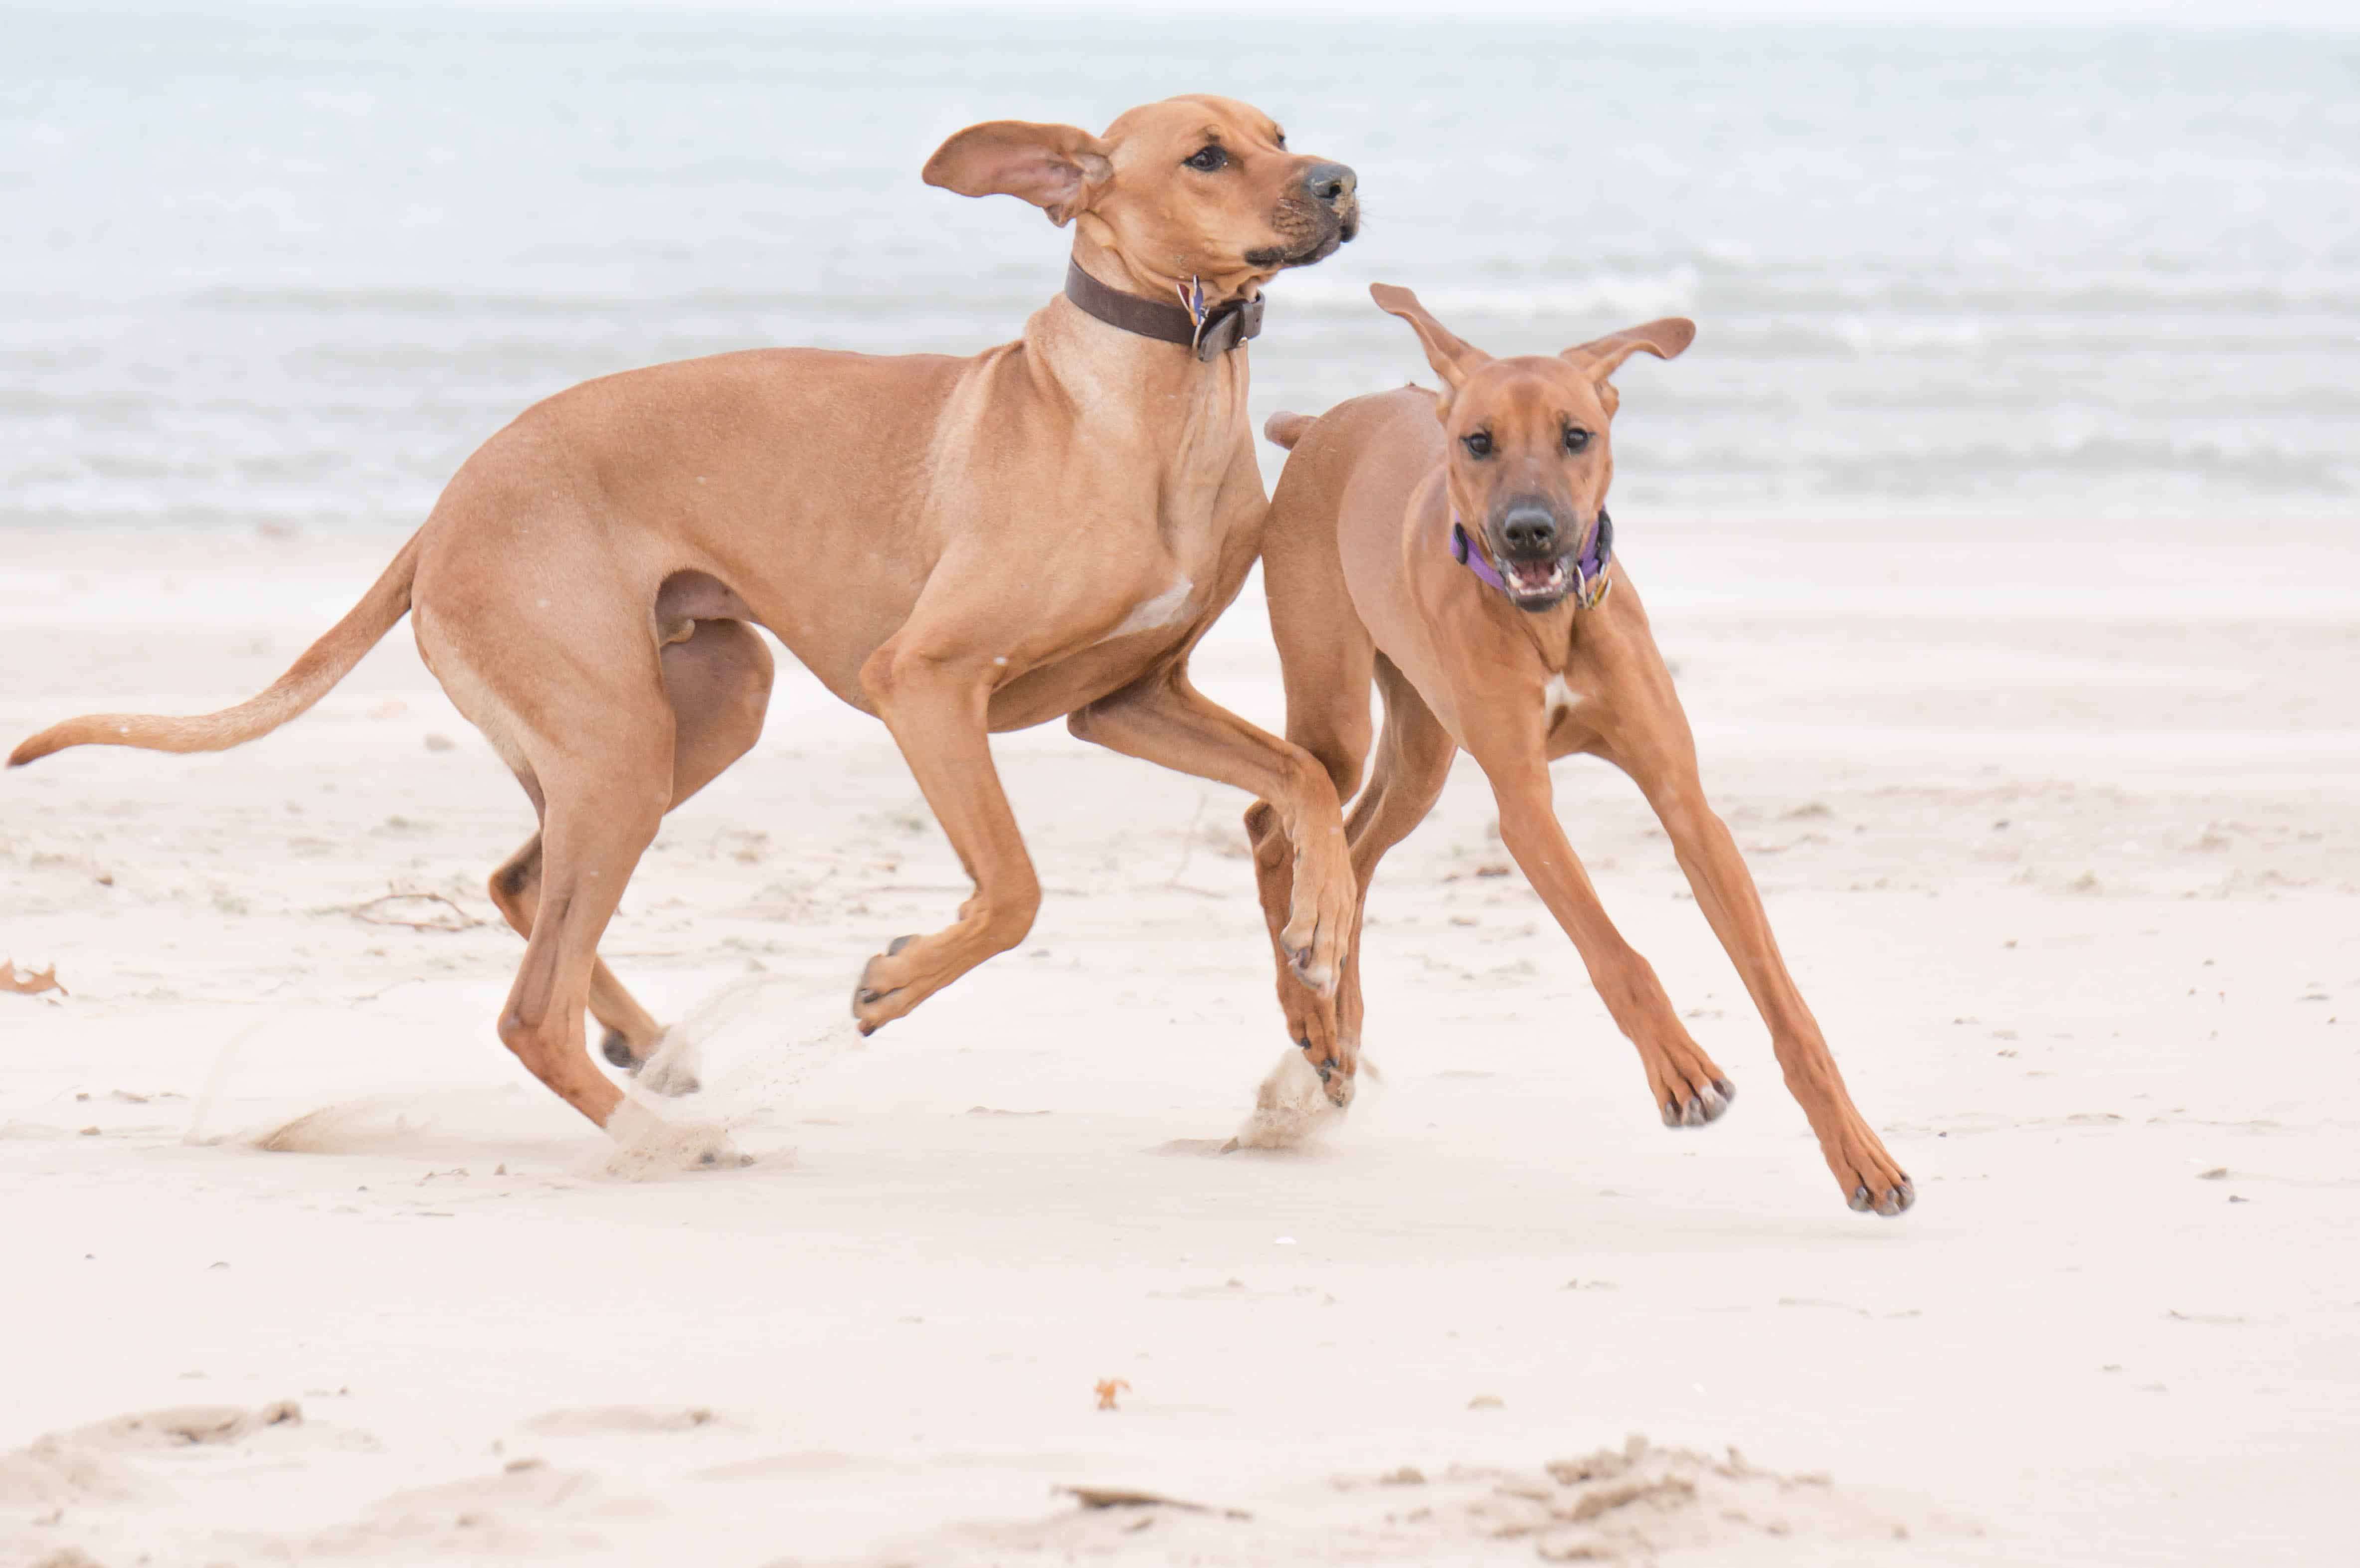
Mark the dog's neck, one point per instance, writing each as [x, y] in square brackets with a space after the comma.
[1194, 409]
[1118, 271]
[1205, 331]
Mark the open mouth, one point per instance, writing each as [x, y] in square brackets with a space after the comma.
[1537, 583]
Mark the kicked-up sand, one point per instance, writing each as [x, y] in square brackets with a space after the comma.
[2059, 832]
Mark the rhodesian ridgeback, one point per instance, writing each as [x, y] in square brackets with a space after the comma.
[956, 546]
[1457, 549]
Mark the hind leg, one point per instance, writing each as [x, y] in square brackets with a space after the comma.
[601, 814]
[515, 890]
[1414, 758]
[717, 682]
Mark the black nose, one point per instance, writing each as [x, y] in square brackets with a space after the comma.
[1530, 531]
[1329, 182]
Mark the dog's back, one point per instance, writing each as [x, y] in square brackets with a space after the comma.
[1350, 470]
[1346, 485]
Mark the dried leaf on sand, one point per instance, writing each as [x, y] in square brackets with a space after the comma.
[28, 983]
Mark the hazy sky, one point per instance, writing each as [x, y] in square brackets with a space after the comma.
[2196, 12]
[2342, 13]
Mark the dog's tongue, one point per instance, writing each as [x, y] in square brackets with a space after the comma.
[1531, 573]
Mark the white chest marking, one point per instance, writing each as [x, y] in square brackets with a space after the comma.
[1168, 608]
[1560, 698]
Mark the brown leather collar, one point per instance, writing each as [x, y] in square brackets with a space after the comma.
[1208, 332]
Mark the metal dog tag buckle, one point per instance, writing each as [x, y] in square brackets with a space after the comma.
[1221, 329]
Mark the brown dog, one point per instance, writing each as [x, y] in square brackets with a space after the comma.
[957, 546]
[1458, 549]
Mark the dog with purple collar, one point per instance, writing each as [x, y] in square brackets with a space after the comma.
[1455, 549]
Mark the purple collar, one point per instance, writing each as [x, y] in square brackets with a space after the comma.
[1591, 583]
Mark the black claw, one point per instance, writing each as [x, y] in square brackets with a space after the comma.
[1860, 1202]
[618, 1049]
[864, 996]
[1326, 1069]
[1727, 1090]
[897, 944]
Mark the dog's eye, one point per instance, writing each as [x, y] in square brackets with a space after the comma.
[1208, 159]
[1576, 439]
[1280, 138]
[1477, 442]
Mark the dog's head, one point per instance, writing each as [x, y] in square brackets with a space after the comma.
[1529, 459]
[1193, 187]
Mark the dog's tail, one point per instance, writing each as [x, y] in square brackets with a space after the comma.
[1284, 429]
[323, 664]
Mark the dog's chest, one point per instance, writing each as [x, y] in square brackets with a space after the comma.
[1557, 698]
[1170, 608]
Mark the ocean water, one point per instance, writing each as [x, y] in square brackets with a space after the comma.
[288, 267]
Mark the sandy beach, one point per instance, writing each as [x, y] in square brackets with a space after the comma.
[2064, 856]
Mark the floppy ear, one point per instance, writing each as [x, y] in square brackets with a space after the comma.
[1601, 356]
[1055, 168]
[1453, 359]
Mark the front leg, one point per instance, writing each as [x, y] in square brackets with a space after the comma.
[1642, 729]
[1689, 1090]
[1725, 892]
[1164, 719]
[936, 701]
[1311, 1017]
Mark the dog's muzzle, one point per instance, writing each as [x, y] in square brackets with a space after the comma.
[1538, 585]
[1320, 214]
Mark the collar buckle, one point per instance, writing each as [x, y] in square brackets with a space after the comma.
[1227, 326]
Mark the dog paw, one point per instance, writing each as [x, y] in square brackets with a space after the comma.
[1338, 1067]
[1895, 1198]
[657, 1069]
[1311, 958]
[1691, 1090]
[1319, 931]
[1871, 1181]
[1701, 1104]
[885, 991]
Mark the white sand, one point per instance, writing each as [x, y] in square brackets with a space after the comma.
[2060, 840]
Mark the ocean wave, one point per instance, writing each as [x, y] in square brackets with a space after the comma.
[300, 272]
[1568, 299]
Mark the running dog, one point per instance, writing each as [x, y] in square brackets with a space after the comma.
[956, 546]
[1456, 549]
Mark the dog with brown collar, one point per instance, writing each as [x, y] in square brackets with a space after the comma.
[1456, 549]
[956, 546]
